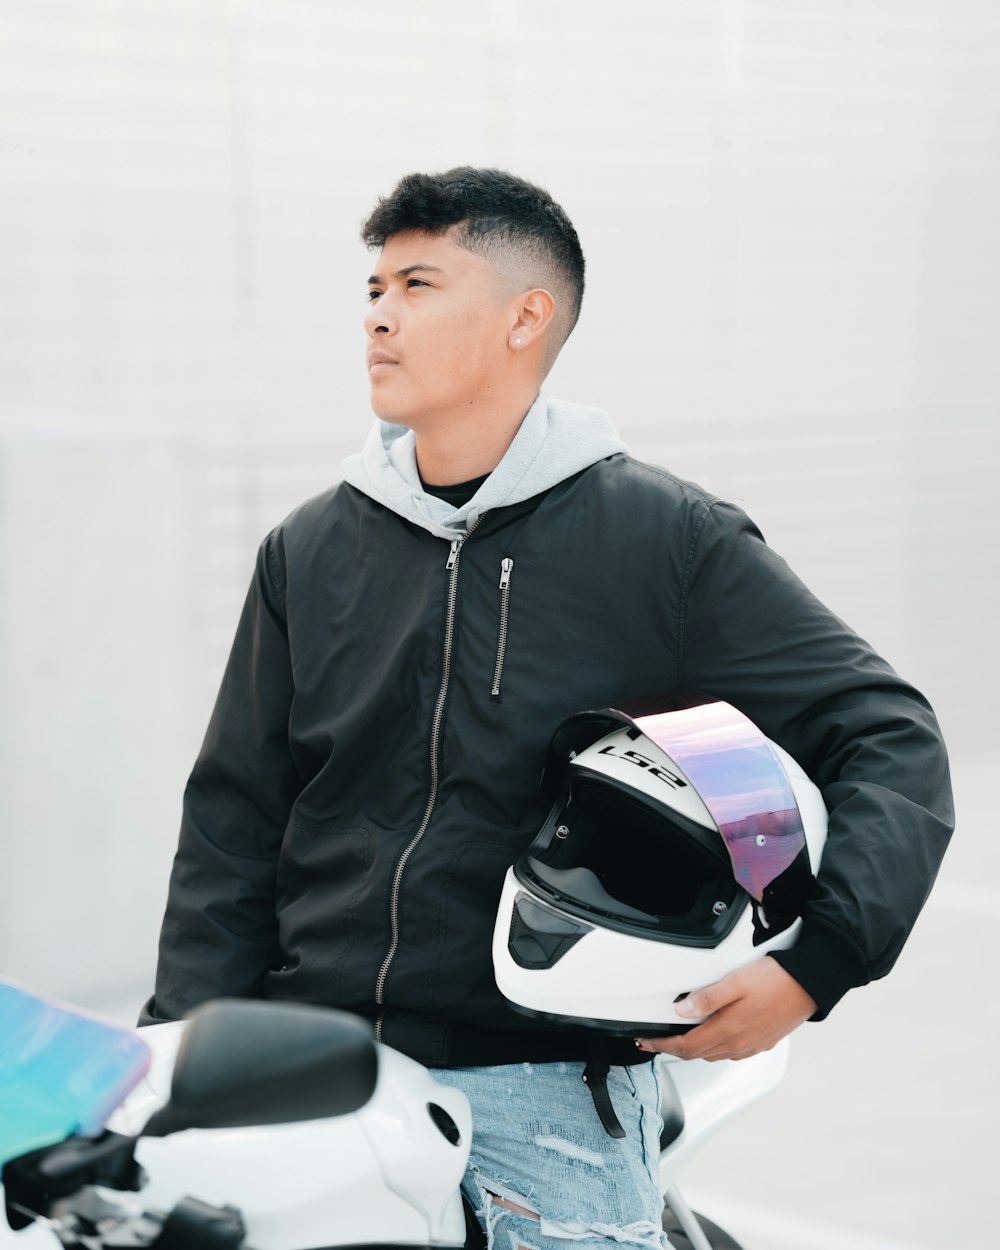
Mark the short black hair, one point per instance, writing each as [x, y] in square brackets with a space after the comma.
[497, 212]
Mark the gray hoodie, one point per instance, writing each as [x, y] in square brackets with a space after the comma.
[556, 440]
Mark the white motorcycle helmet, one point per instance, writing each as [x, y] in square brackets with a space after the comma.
[682, 845]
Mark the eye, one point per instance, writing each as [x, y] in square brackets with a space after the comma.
[415, 282]
[373, 296]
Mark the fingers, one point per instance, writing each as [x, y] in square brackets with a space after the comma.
[705, 1039]
[717, 1038]
[712, 998]
[748, 1011]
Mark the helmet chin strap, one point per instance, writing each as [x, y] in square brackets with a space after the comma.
[595, 1077]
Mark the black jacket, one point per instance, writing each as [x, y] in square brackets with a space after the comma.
[361, 790]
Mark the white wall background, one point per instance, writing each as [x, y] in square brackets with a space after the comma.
[790, 212]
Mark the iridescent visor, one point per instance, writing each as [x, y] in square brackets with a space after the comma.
[61, 1071]
[742, 782]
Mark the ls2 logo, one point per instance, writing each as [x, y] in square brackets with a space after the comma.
[650, 765]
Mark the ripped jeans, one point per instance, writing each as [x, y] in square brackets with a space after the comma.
[538, 1143]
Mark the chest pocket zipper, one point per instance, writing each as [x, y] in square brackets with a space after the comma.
[506, 568]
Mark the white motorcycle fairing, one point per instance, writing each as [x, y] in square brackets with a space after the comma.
[388, 1170]
[712, 1095]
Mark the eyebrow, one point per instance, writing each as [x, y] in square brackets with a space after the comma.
[375, 280]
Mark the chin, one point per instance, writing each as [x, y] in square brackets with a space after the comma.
[395, 413]
[390, 416]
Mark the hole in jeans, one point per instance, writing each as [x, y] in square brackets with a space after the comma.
[512, 1206]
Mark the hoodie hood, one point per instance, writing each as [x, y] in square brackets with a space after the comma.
[556, 440]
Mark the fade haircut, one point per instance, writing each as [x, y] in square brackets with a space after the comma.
[509, 222]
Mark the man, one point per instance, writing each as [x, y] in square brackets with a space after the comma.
[492, 563]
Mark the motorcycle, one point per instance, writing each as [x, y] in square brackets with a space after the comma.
[271, 1126]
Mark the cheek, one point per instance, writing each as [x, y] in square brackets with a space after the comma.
[468, 343]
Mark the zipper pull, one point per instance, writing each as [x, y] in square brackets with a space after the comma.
[456, 546]
[506, 568]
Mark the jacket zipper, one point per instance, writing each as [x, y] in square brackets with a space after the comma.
[397, 880]
[506, 568]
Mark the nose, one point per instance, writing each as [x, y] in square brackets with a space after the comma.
[380, 319]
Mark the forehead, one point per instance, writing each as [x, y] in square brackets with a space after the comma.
[412, 250]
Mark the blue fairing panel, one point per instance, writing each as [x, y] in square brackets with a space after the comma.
[62, 1071]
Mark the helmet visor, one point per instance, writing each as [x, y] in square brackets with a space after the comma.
[742, 783]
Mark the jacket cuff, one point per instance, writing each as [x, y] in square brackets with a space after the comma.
[825, 964]
[150, 1014]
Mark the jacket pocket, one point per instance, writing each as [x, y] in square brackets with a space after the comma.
[506, 571]
[328, 896]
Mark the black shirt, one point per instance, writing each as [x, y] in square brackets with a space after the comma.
[457, 495]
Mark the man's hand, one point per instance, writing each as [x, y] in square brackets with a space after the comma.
[748, 1011]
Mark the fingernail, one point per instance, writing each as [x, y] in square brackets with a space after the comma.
[686, 1007]
[640, 1045]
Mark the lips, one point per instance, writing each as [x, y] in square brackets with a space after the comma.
[377, 358]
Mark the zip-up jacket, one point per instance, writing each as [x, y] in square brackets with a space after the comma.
[372, 765]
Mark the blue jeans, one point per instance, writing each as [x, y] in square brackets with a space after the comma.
[537, 1142]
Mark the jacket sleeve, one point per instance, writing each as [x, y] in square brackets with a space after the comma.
[219, 934]
[751, 633]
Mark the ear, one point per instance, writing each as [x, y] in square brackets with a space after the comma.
[532, 317]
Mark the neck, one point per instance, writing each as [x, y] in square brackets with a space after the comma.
[466, 448]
